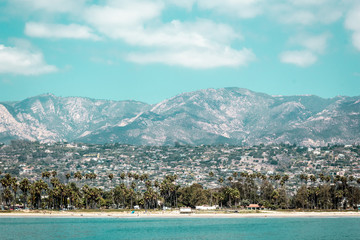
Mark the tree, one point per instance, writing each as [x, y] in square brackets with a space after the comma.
[78, 175]
[36, 191]
[111, 176]
[122, 176]
[220, 180]
[68, 176]
[45, 174]
[14, 186]
[301, 197]
[24, 187]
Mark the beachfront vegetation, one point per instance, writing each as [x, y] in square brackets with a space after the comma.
[237, 191]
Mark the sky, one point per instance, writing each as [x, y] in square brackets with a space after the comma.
[151, 50]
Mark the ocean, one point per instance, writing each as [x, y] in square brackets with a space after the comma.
[180, 228]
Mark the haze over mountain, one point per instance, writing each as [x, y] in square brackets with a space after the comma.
[210, 116]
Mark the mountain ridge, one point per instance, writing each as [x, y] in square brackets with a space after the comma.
[208, 116]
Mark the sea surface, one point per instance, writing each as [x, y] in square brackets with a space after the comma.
[180, 228]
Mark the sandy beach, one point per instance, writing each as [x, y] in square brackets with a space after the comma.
[176, 214]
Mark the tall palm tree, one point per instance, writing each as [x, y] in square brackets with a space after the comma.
[220, 180]
[211, 175]
[24, 187]
[78, 175]
[54, 173]
[122, 176]
[68, 176]
[14, 186]
[6, 183]
[46, 174]
[36, 191]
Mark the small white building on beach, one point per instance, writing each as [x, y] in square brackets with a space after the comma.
[185, 210]
[205, 207]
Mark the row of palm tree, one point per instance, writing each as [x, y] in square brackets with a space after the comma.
[239, 189]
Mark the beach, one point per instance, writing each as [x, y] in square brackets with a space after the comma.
[177, 214]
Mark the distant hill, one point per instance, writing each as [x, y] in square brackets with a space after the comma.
[211, 116]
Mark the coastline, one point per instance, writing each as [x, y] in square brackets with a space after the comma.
[176, 214]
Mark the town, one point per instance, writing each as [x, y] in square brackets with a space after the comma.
[207, 165]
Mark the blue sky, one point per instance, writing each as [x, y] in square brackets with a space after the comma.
[150, 50]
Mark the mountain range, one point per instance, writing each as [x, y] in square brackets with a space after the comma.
[210, 116]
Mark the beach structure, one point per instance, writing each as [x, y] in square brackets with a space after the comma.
[205, 207]
[185, 210]
[254, 207]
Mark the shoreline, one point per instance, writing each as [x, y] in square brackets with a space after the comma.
[176, 214]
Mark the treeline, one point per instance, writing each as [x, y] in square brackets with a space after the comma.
[238, 190]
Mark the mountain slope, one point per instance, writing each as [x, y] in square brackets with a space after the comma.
[211, 116]
[63, 119]
[240, 116]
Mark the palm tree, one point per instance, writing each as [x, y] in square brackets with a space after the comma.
[54, 173]
[68, 176]
[36, 191]
[133, 188]
[24, 187]
[211, 174]
[78, 175]
[7, 196]
[220, 180]
[14, 186]
[122, 176]
[6, 183]
[93, 176]
[304, 177]
[284, 179]
[45, 174]
[111, 176]
[312, 179]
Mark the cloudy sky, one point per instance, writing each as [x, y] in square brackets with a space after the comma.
[149, 50]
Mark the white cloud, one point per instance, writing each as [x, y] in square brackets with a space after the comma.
[176, 34]
[299, 17]
[352, 23]
[44, 30]
[313, 46]
[308, 2]
[196, 58]
[118, 17]
[196, 44]
[356, 40]
[200, 44]
[306, 12]
[300, 58]
[316, 43]
[187, 4]
[189, 44]
[51, 6]
[20, 61]
[238, 8]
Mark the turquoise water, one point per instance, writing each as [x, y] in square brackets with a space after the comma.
[216, 228]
